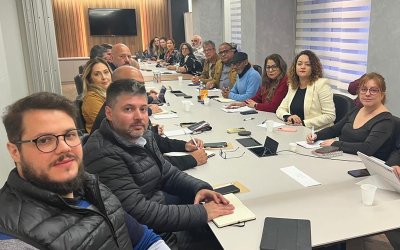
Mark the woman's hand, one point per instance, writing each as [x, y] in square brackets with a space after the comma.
[235, 105]
[181, 70]
[294, 120]
[311, 138]
[327, 143]
[171, 67]
[250, 103]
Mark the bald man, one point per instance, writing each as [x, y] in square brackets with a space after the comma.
[121, 55]
[198, 50]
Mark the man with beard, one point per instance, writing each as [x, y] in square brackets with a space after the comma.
[198, 51]
[49, 201]
[124, 154]
[121, 55]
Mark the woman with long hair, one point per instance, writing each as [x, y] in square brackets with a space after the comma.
[96, 79]
[154, 48]
[171, 56]
[188, 63]
[309, 101]
[274, 86]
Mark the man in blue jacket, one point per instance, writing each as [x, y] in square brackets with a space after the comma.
[248, 80]
[49, 201]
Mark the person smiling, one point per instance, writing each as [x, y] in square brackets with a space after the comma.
[309, 101]
[273, 88]
[368, 129]
[96, 79]
[188, 62]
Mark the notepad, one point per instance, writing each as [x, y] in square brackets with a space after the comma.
[237, 110]
[165, 116]
[223, 100]
[171, 133]
[304, 144]
[240, 214]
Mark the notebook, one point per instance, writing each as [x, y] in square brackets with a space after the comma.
[240, 214]
[288, 234]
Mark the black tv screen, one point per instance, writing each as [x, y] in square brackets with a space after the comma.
[112, 22]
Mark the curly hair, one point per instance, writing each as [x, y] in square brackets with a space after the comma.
[268, 85]
[378, 79]
[188, 46]
[316, 69]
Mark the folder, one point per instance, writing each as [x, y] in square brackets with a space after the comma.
[286, 234]
[240, 214]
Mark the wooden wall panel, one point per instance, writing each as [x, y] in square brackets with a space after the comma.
[72, 24]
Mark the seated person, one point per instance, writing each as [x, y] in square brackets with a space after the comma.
[274, 86]
[224, 77]
[124, 154]
[212, 66]
[162, 49]
[121, 55]
[309, 101]
[96, 79]
[49, 201]
[248, 81]
[368, 129]
[188, 64]
[171, 56]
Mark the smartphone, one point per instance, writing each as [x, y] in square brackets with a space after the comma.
[215, 145]
[227, 189]
[359, 172]
[248, 112]
[210, 155]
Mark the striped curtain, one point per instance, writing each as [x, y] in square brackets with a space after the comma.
[337, 31]
[236, 22]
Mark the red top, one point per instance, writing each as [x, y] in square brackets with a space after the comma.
[271, 106]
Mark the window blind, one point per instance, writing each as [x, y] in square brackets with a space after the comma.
[236, 22]
[337, 31]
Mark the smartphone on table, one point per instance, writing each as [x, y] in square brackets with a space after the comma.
[227, 189]
[359, 172]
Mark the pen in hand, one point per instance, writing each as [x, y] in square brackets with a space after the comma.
[312, 133]
[194, 141]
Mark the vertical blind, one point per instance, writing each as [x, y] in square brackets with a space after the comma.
[337, 31]
[236, 22]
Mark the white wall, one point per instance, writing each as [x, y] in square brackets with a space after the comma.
[13, 81]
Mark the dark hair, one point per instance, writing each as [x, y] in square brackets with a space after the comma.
[209, 42]
[269, 85]
[12, 118]
[97, 51]
[378, 79]
[106, 45]
[187, 45]
[316, 69]
[124, 86]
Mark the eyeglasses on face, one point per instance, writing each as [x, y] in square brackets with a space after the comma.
[48, 143]
[271, 68]
[224, 52]
[372, 91]
[224, 156]
[185, 48]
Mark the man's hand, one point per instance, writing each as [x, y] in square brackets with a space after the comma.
[215, 210]
[210, 85]
[154, 94]
[225, 92]
[327, 143]
[190, 146]
[195, 79]
[155, 108]
[200, 156]
[208, 196]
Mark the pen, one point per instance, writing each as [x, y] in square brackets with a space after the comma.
[312, 130]
[193, 140]
[173, 111]
[248, 119]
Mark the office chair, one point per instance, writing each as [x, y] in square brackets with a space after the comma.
[258, 68]
[343, 105]
[80, 121]
[79, 85]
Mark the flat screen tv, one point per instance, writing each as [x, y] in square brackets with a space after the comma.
[112, 22]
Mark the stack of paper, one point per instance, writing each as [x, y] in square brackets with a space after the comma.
[223, 100]
[276, 124]
[165, 116]
[237, 110]
[240, 214]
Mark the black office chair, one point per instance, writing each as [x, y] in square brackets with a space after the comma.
[80, 121]
[343, 105]
[79, 85]
[258, 68]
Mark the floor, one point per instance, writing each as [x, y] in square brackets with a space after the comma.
[376, 242]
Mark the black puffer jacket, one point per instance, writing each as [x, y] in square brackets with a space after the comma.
[44, 220]
[139, 176]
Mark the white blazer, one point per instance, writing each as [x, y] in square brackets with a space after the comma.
[319, 108]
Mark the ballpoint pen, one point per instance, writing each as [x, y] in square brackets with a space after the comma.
[312, 132]
[194, 141]
[248, 119]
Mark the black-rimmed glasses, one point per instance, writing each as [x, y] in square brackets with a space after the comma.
[271, 68]
[372, 91]
[49, 143]
[224, 156]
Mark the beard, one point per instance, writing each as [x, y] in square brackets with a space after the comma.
[42, 181]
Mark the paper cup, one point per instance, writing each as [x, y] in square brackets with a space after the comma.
[187, 106]
[180, 79]
[206, 101]
[368, 194]
[293, 147]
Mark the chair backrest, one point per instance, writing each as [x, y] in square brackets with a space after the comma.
[258, 68]
[343, 105]
[396, 131]
[80, 121]
[79, 84]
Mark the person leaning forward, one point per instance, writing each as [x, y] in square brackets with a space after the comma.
[124, 154]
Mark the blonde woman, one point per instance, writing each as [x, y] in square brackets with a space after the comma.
[309, 101]
[96, 79]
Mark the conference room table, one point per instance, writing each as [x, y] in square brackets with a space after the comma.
[334, 207]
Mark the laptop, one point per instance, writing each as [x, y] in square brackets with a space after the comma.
[379, 168]
[269, 148]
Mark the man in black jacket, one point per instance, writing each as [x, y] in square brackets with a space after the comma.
[49, 201]
[124, 154]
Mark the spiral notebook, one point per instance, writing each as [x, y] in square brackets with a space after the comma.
[240, 214]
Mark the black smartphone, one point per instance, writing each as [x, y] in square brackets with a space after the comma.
[215, 145]
[187, 96]
[249, 112]
[227, 189]
[210, 155]
[359, 172]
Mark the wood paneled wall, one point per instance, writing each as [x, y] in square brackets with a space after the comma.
[72, 24]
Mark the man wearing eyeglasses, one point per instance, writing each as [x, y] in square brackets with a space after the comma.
[228, 75]
[248, 81]
[124, 154]
[49, 201]
[212, 66]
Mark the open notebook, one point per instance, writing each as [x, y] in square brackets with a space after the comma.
[241, 214]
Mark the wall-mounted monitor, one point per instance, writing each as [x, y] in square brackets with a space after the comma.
[112, 22]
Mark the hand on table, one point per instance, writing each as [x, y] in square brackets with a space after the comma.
[294, 120]
[200, 156]
[311, 138]
[250, 103]
[191, 146]
[225, 92]
[327, 143]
